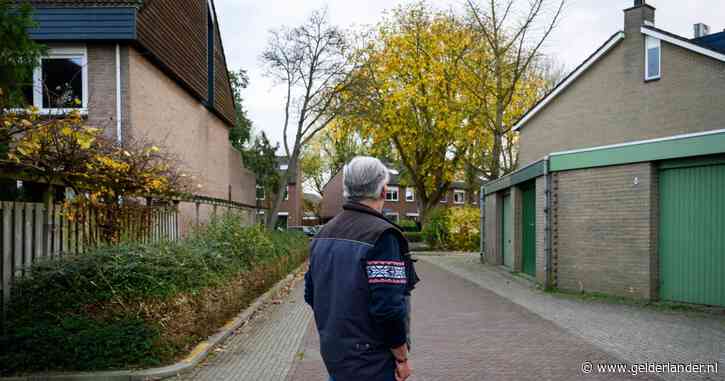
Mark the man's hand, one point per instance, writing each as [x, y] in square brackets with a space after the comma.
[402, 371]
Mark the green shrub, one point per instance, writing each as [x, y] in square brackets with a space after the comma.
[414, 236]
[409, 225]
[137, 305]
[453, 229]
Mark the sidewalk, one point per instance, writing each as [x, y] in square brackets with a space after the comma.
[265, 349]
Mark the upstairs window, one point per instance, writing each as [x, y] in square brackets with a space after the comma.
[286, 193]
[653, 55]
[392, 194]
[459, 196]
[60, 82]
[260, 192]
[409, 194]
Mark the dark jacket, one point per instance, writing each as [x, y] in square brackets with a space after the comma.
[358, 284]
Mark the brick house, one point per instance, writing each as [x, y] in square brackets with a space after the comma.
[147, 69]
[620, 188]
[290, 212]
[400, 201]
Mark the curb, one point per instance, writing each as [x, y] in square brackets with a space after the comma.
[197, 355]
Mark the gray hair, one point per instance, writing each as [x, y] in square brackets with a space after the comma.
[363, 178]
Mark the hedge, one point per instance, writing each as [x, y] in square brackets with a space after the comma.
[453, 229]
[414, 236]
[140, 305]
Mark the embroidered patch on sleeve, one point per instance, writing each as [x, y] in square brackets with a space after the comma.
[390, 272]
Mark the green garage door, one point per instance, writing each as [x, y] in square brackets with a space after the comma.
[692, 232]
[528, 228]
[507, 233]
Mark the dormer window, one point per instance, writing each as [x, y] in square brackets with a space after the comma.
[653, 55]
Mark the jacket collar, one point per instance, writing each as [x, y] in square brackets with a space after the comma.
[358, 207]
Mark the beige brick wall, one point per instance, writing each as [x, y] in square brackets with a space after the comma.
[606, 226]
[611, 103]
[160, 110]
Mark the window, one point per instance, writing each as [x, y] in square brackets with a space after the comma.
[653, 55]
[392, 194]
[60, 82]
[444, 198]
[409, 194]
[282, 220]
[260, 193]
[286, 193]
[283, 167]
[395, 217]
[459, 196]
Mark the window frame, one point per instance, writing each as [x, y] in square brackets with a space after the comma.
[286, 193]
[457, 192]
[444, 198]
[652, 43]
[264, 193]
[412, 194]
[60, 52]
[397, 194]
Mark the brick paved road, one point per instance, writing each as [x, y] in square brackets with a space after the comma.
[464, 332]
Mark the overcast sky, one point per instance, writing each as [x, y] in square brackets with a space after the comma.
[586, 24]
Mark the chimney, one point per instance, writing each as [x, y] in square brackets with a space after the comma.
[640, 14]
[701, 30]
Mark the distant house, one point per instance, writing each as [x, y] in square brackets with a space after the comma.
[620, 187]
[291, 210]
[146, 69]
[400, 201]
[312, 203]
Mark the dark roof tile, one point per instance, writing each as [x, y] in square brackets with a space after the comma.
[84, 3]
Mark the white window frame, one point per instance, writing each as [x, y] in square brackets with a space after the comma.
[61, 51]
[411, 194]
[286, 193]
[283, 167]
[457, 192]
[392, 189]
[651, 43]
[264, 193]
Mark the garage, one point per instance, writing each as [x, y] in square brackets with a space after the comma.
[507, 232]
[692, 231]
[528, 228]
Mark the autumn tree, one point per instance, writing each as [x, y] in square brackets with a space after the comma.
[505, 73]
[311, 62]
[406, 97]
[241, 133]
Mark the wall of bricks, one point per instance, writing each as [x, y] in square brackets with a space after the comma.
[606, 226]
[163, 112]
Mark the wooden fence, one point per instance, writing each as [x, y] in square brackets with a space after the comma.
[30, 232]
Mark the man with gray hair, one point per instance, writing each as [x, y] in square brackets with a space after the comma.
[359, 283]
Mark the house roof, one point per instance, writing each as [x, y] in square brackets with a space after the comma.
[713, 47]
[85, 3]
[714, 41]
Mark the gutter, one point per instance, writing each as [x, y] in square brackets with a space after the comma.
[482, 235]
[548, 276]
[119, 131]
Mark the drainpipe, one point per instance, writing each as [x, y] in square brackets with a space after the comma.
[547, 224]
[482, 207]
[119, 132]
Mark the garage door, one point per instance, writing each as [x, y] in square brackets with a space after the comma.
[528, 228]
[692, 232]
[507, 232]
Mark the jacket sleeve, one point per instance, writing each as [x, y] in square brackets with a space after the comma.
[309, 289]
[387, 284]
